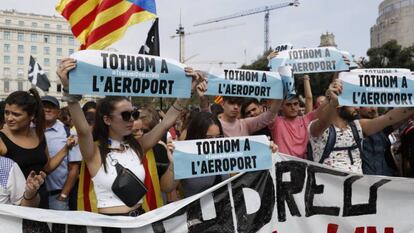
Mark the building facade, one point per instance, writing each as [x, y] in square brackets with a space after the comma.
[395, 22]
[328, 40]
[47, 38]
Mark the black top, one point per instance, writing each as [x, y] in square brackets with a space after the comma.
[27, 159]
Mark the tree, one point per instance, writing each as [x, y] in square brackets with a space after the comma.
[260, 64]
[390, 55]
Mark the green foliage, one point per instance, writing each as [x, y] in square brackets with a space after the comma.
[319, 83]
[390, 55]
[260, 64]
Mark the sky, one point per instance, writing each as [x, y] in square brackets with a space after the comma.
[349, 20]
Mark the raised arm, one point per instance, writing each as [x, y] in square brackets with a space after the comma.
[151, 138]
[396, 115]
[308, 94]
[263, 120]
[327, 112]
[56, 160]
[85, 138]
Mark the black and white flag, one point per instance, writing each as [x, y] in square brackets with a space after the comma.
[152, 44]
[37, 76]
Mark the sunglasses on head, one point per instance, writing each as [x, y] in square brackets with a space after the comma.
[126, 115]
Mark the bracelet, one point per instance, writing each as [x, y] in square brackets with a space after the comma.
[179, 109]
[71, 98]
[29, 199]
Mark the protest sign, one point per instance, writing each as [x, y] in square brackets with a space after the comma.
[245, 83]
[288, 81]
[377, 87]
[283, 47]
[381, 70]
[293, 196]
[196, 158]
[109, 73]
[310, 60]
[353, 63]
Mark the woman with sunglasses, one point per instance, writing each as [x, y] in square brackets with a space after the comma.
[113, 129]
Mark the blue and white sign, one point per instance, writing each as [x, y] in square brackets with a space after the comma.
[246, 83]
[288, 81]
[377, 87]
[283, 47]
[108, 73]
[353, 62]
[311, 60]
[197, 158]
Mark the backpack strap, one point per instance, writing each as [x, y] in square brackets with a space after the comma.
[357, 138]
[330, 144]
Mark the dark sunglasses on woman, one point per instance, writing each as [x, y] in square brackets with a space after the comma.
[126, 115]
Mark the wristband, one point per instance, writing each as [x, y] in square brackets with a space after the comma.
[178, 110]
[29, 199]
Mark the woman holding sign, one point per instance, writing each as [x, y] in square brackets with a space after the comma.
[117, 149]
[204, 125]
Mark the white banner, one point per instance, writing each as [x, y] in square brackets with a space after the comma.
[294, 196]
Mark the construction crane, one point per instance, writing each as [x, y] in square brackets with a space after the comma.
[180, 33]
[265, 9]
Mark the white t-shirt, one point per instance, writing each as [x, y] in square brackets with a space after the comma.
[338, 159]
[12, 182]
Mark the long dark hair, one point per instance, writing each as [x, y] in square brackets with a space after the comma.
[105, 107]
[31, 103]
[199, 124]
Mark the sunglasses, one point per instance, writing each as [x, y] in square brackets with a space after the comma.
[214, 136]
[126, 115]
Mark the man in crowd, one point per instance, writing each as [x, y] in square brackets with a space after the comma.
[290, 130]
[60, 182]
[336, 137]
[252, 108]
[233, 126]
[376, 156]
[14, 188]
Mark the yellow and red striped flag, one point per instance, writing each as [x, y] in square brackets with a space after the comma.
[218, 99]
[153, 199]
[99, 23]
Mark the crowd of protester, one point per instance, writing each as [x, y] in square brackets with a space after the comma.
[40, 137]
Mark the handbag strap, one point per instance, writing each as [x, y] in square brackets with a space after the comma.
[116, 164]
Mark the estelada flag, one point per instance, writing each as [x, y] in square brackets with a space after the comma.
[99, 23]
